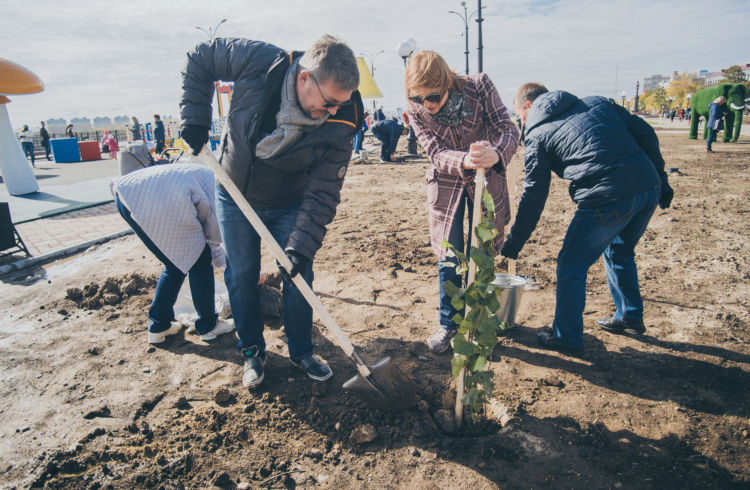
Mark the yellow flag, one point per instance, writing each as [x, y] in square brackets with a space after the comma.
[368, 89]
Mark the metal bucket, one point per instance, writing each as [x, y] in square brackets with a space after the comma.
[509, 296]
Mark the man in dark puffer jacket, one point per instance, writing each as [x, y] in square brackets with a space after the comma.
[287, 144]
[617, 176]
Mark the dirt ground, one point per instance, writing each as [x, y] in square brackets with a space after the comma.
[87, 403]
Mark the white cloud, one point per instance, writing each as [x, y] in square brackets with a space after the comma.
[108, 58]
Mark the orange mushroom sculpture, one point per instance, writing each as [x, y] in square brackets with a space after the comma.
[17, 174]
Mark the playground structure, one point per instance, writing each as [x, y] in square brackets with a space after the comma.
[18, 177]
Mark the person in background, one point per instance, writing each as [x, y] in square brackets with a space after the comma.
[715, 120]
[379, 114]
[27, 143]
[360, 135]
[134, 130]
[158, 135]
[388, 132]
[288, 155]
[617, 176]
[172, 209]
[44, 134]
[110, 142]
[69, 131]
[462, 125]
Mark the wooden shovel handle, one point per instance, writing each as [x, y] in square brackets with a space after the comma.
[279, 254]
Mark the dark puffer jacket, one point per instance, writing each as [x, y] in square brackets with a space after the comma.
[312, 169]
[607, 154]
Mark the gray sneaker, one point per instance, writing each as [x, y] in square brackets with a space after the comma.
[441, 340]
[315, 367]
[252, 371]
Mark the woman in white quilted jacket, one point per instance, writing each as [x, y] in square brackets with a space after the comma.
[171, 208]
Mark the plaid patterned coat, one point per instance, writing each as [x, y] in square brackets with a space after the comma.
[446, 147]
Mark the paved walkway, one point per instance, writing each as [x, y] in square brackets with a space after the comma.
[43, 236]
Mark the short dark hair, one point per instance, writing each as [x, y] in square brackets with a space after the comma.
[156, 116]
[529, 92]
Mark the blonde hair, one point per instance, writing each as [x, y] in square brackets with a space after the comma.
[427, 69]
[720, 99]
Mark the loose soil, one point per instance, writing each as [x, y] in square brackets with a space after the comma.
[87, 403]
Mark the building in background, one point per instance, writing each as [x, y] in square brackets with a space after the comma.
[653, 82]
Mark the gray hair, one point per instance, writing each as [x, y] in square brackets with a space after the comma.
[720, 99]
[329, 59]
[529, 92]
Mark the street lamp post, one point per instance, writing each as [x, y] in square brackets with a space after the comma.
[371, 59]
[405, 50]
[466, 18]
[479, 32]
[211, 32]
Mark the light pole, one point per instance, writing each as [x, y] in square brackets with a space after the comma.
[211, 32]
[466, 18]
[405, 50]
[371, 58]
[479, 22]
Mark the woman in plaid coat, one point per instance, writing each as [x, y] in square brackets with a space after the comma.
[462, 125]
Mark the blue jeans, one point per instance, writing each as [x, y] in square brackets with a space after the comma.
[243, 271]
[201, 277]
[613, 230]
[447, 269]
[358, 137]
[28, 150]
[711, 137]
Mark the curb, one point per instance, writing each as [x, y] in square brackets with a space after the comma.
[23, 264]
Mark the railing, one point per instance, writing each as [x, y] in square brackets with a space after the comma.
[119, 134]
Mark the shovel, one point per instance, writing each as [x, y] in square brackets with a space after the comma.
[383, 384]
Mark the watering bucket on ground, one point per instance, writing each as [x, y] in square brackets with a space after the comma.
[509, 296]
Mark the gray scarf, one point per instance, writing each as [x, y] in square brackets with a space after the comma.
[453, 111]
[291, 121]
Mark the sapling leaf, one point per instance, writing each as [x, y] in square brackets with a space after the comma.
[485, 233]
[450, 288]
[462, 347]
[479, 364]
[488, 202]
[457, 364]
[487, 339]
[457, 302]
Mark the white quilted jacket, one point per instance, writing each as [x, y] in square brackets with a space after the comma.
[175, 206]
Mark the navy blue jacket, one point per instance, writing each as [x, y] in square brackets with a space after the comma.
[607, 154]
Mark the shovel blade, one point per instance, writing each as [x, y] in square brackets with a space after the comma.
[387, 388]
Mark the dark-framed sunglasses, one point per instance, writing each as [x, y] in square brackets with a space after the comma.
[326, 103]
[433, 98]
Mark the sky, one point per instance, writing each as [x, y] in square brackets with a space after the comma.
[124, 58]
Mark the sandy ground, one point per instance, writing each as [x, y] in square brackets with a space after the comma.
[87, 403]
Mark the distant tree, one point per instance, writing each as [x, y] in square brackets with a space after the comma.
[680, 87]
[654, 99]
[734, 74]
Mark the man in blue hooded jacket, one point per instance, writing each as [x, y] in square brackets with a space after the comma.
[617, 176]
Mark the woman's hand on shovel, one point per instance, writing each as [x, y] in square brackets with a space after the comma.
[481, 155]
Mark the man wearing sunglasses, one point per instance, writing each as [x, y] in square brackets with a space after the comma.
[286, 144]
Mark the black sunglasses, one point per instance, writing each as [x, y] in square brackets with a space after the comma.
[326, 104]
[434, 98]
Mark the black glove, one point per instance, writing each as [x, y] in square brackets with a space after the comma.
[299, 264]
[195, 136]
[666, 196]
[509, 251]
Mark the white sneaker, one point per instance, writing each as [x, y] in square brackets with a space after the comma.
[222, 327]
[159, 337]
